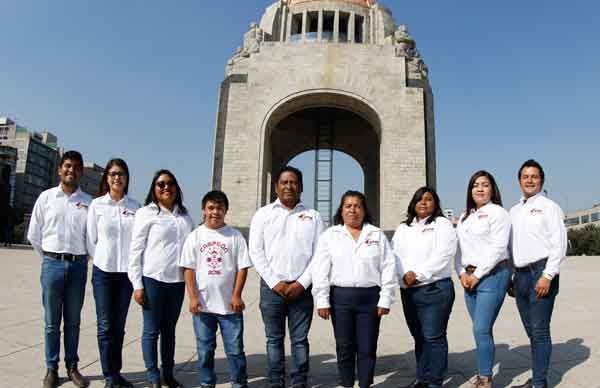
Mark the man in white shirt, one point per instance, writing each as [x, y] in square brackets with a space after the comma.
[215, 263]
[283, 239]
[539, 246]
[57, 231]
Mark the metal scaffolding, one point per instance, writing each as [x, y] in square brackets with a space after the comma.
[324, 169]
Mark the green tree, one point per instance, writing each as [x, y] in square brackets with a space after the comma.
[584, 241]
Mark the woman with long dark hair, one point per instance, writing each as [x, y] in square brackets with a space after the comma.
[483, 267]
[353, 282]
[159, 233]
[425, 246]
[109, 227]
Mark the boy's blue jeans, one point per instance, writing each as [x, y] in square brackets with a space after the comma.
[232, 330]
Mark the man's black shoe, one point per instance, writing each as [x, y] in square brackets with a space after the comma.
[170, 382]
[415, 384]
[76, 377]
[110, 384]
[122, 382]
[51, 380]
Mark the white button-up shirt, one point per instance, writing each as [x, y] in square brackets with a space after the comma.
[109, 228]
[283, 241]
[344, 262]
[538, 232]
[216, 255]
[58, 222]
[156, 244]
[483, 239]
[427, 249]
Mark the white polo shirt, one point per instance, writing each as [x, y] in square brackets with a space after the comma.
[109, 228]
[538, 232]
[216, 255]
[427, 249]
[283, 241]
[344, 262]
[156, 244]
[58, 222]
[483, 239]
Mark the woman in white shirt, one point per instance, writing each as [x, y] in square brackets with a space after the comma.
[353, 282]
[159, 233]
[425, 246]
[109, 227]
[482, 265]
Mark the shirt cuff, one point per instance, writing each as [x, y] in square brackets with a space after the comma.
[548, 275]
[138, 285]
[323, 302]
[478, 273]
[271, 281]
[421, 277]
[384, 302]
[305, 280]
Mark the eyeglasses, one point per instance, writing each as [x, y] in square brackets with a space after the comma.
[163, 184]
[114, 174]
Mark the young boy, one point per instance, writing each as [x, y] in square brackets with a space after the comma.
[215, 261]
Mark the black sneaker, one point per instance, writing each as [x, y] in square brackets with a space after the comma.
[122, 382]
[77, 378]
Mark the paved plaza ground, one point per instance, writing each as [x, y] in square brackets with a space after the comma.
[575, 360]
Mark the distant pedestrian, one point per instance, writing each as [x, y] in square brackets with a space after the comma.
[9, 226]
[283, 239]
[483, 267]
[539, 246]
[215, 261]
[109, 227]
[57, 231]
[425, 246]
[354, 280]
[159, 232]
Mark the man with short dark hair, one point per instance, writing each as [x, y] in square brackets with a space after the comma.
[283, 239]
[57, 231]
[539, 246]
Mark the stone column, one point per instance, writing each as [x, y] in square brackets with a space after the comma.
[351, 28]
[288, 28]
[336, 26]
[304, 23]
[320, 27]
[283, 23]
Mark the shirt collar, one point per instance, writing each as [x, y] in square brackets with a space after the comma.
[422, 222]
[106, 198]
[530, 199]
[61, 193]
[299, 205]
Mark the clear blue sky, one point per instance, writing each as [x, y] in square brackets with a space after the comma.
[139, 79]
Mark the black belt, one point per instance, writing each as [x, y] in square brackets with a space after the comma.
[531, 266]
[471, 268]
[64, 256]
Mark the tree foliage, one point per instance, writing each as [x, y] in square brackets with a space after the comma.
[584, 241]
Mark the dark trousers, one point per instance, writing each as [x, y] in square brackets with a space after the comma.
[162, 306]
[356, 329]
[427, 311]
[536, 314]
[112, 292]
[63, 292]
[275, 310]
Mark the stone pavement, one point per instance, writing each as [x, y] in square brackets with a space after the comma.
[576, 353]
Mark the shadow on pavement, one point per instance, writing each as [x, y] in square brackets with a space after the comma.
[399, 369]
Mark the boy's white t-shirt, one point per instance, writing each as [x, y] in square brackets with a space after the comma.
[216, 255]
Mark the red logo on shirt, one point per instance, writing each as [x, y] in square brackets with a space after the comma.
[127, 212]
[305, 217]
[428, 230]
[213, 252]
[81, 205]
[370, 242]
[482, 215]
[533, 212]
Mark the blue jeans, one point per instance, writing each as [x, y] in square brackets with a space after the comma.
[63, 292]
[536, 314]
[112, 292]
[484, 305]
[275, 310]
[356, 329]
[162, 306]
[427, 311]
[232, 330]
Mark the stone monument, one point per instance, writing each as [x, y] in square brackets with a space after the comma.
[325, 74]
